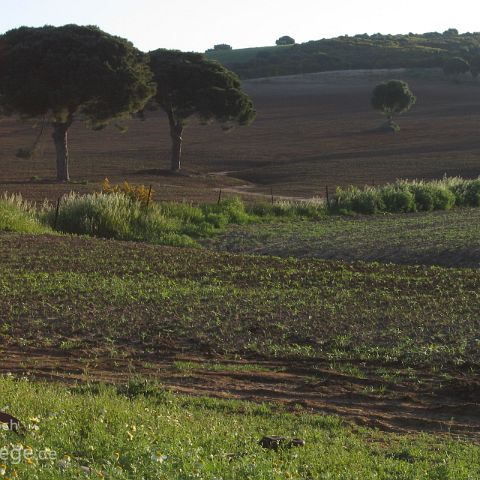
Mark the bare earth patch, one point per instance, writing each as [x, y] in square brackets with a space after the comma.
[408, 406]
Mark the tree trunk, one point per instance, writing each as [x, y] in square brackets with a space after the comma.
[176, 131]
[61, 149]
[176, 148]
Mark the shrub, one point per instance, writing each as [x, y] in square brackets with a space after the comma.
[102, 215]
[138, 193]
[467, 192]
[444, 199]
[432, 196]
[115, 215]
[397, 199]
[423, 198]
[367, 201]
[232, 210]
[472, 193]
[356, 200]
[186, 212]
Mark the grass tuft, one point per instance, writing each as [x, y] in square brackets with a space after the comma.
[17, 215]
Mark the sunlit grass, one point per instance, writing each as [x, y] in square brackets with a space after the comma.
[140, 431]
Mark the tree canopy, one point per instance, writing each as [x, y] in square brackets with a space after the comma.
[451, 32]
[190, 85]
[285, 40]
[61, 72]
[392, 97]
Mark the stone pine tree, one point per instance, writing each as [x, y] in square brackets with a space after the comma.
[69, 72]
[189, 85]
[392, 98]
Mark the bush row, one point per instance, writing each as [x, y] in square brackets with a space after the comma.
[116, 215]
[408, 196]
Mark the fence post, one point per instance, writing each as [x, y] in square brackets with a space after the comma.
[57, 210]
[327, 195]
[219, 197]
[149, 196]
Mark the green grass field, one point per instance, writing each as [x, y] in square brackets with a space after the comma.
[140, 431]
[379, 344]
[55, 289]
[450, 239]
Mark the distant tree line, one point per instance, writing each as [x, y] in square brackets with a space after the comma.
[62, 74]
[362, 51]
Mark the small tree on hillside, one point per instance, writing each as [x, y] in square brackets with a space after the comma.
[392, 98]
[190, 85]
[285, 40]
[454, 67]
[61, 73]
[451, 32]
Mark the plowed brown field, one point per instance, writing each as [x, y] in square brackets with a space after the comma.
[310, 131]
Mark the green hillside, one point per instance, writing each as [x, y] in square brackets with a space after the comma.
[357, 52]
[243, 55]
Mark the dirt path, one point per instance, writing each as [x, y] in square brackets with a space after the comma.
[245, 190]
[423, 405]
